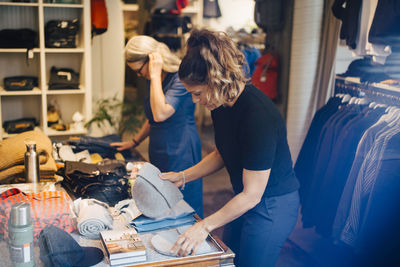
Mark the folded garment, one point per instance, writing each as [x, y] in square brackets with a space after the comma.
[93, 217]
[154, 197]
[15, 174]
[15, 148]
[180, 214]
[128, 209]
[164, 224]
[163, 242]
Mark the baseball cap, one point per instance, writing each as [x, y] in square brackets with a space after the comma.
[59, 248]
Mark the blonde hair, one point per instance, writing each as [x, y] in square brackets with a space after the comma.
[139, 47]
[213, 59]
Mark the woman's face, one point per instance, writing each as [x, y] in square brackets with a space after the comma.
[141, 68]
[199, 95]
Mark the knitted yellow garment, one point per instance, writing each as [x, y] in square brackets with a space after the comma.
[12, 150]
[15, 174]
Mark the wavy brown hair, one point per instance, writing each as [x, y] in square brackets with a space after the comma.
[213, 59]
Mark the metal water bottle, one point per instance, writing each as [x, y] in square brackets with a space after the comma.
[31, 162]
[20, 234]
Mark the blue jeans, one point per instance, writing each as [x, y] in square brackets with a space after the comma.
[258, 235]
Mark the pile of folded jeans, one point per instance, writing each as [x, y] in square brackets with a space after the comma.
[106, 182]
[100, 145]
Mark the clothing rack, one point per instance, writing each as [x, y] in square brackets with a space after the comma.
[381, 93]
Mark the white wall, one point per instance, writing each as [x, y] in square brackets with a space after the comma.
[108, 61]
[235, 13]
[107, 55]
[306, 33]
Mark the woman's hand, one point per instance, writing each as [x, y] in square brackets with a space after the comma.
[175, 177]
[190, 241]
[155, 65]
[123, 145]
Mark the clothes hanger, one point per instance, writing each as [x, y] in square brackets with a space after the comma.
[346, 98]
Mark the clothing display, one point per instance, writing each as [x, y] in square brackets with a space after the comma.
[106, 181]
[369, 27]
[93, 217]
[172, 150]
[47, 208]
[12, 166]
[163, 241]
[153, 196]
[180, 214]
[58, 248]
[100, 145]
[340, 168]
[251, 135]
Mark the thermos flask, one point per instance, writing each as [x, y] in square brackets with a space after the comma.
[31, 162]
[21, 235]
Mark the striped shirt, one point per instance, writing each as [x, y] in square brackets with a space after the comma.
[365, 182]
[47, 208]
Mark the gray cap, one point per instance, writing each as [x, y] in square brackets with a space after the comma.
[154, 196]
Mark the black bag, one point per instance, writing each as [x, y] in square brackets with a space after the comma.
[18, 38]
[61, 33]
[107, 182]
[268, 15]
[20, 83]
[19, 125]
[63, 78]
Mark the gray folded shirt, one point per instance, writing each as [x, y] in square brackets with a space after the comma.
[93, 217]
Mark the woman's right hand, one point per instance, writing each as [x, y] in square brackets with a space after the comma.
[123, 145]
[175, 177]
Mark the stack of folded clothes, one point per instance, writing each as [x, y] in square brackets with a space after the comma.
[12, 162]
[160, 201]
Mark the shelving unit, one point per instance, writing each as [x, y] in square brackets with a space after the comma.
[14, 62]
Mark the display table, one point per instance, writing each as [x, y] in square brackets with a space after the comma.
[220, 254]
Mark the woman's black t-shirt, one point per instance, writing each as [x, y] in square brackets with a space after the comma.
[252, 135]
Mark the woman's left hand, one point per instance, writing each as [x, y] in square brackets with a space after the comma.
[155, 65]
[190, 241]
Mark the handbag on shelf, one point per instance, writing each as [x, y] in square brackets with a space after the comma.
[20, 83]
[61, 33]
[18, 38]
[63, 78]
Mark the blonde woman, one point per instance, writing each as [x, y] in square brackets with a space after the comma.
[250, 137]
[174, 143]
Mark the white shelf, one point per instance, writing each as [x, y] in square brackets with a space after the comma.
[7, 135]
[130, 7]
[52, 132]
[17, 50]
[64, 50]
[13, 62]
[63, 5]
[65, 92]
[18, 4]
[34, 91]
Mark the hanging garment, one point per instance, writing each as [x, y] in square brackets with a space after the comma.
[304, 163]
[211, 9]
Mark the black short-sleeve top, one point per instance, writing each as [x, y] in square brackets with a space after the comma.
[252, 135]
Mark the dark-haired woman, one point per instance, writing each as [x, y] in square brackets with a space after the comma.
[250, 137]
[174, 142]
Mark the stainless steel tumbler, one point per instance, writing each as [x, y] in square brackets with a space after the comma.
[31, 162]
[20, 234]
